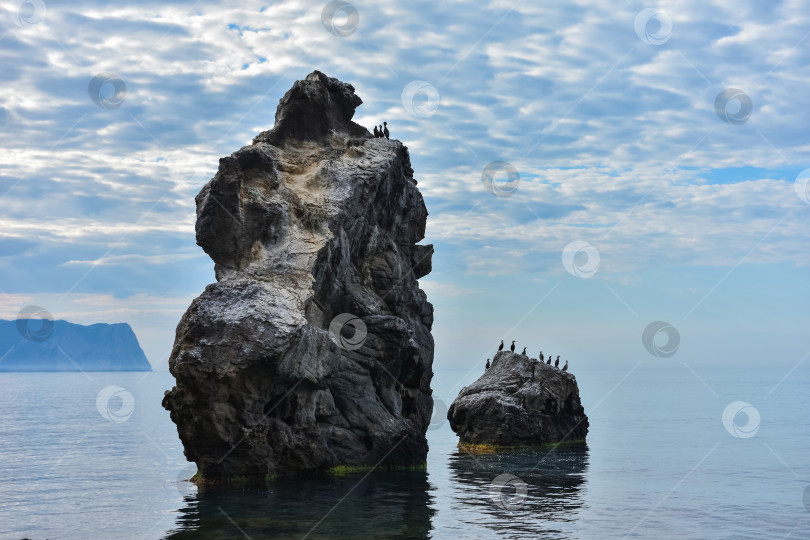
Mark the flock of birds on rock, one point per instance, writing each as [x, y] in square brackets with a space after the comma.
[382, 131]
[556, 362]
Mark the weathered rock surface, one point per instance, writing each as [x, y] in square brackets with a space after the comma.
[315, 219]
[519, 401]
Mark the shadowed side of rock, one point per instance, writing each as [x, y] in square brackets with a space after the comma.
[307, 224]
[519, 401]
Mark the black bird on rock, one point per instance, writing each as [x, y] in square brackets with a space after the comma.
[513, 346]
[501, 346]
[549, 360]
[541, 356]
[565, 367]
[376, 133]
[385, 129]
[557, 361]
[524, 351]
[487, 364]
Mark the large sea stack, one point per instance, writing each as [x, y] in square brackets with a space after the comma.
[313, 348]
[519, 401]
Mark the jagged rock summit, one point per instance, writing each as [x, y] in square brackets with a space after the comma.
[519, 401]
[313, 348]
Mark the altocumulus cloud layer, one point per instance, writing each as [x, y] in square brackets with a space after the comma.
[664, 135]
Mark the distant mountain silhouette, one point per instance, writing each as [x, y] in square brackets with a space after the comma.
[43, 345]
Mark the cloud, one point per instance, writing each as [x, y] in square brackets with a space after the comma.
[435, 288]
[618, 142]
[135, 258]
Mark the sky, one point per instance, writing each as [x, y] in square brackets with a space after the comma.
[613, 182]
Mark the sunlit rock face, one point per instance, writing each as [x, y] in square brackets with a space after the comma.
[313, 348]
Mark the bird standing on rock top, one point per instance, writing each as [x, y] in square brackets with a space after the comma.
[487, 364]
[565, 367]
[385, 130]
[513, 346]
[524, 351]
[376, 133]
[549, 359]
[557, 361]
[500, 348]
[541, 356]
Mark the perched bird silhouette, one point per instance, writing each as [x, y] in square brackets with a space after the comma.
[565, 367]
[381, 133]
[487, 364]
[541, 356]
[549, 360]
[513, 346]
[557, 361]
[385, 130]
[501, 346]
[376, 133]
[524, 351]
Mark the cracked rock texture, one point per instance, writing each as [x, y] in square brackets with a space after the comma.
[314, 220]
[519, 401]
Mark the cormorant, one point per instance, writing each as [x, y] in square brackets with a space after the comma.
[557, 361]
[487, 364]
[565, 367]
[381, 133]
[549, 360]
[376, 133]
[513, 346]
[541, 356]
[524, 351]
[501, 347]
[385, 130]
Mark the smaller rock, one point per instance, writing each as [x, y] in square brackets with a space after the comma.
[519, 401]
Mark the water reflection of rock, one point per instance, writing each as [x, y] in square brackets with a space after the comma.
[549, 504]
[383, 505]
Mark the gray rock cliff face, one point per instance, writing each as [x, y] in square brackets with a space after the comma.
[313, 348]
[519, 401]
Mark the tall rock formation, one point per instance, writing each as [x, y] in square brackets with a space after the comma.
[519, 401]
[313, 348]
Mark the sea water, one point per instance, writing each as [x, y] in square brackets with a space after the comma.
[672, 452]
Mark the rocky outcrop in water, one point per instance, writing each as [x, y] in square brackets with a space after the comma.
[519, 401]
[313, 348]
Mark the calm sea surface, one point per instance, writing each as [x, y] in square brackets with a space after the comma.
[95, 456]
